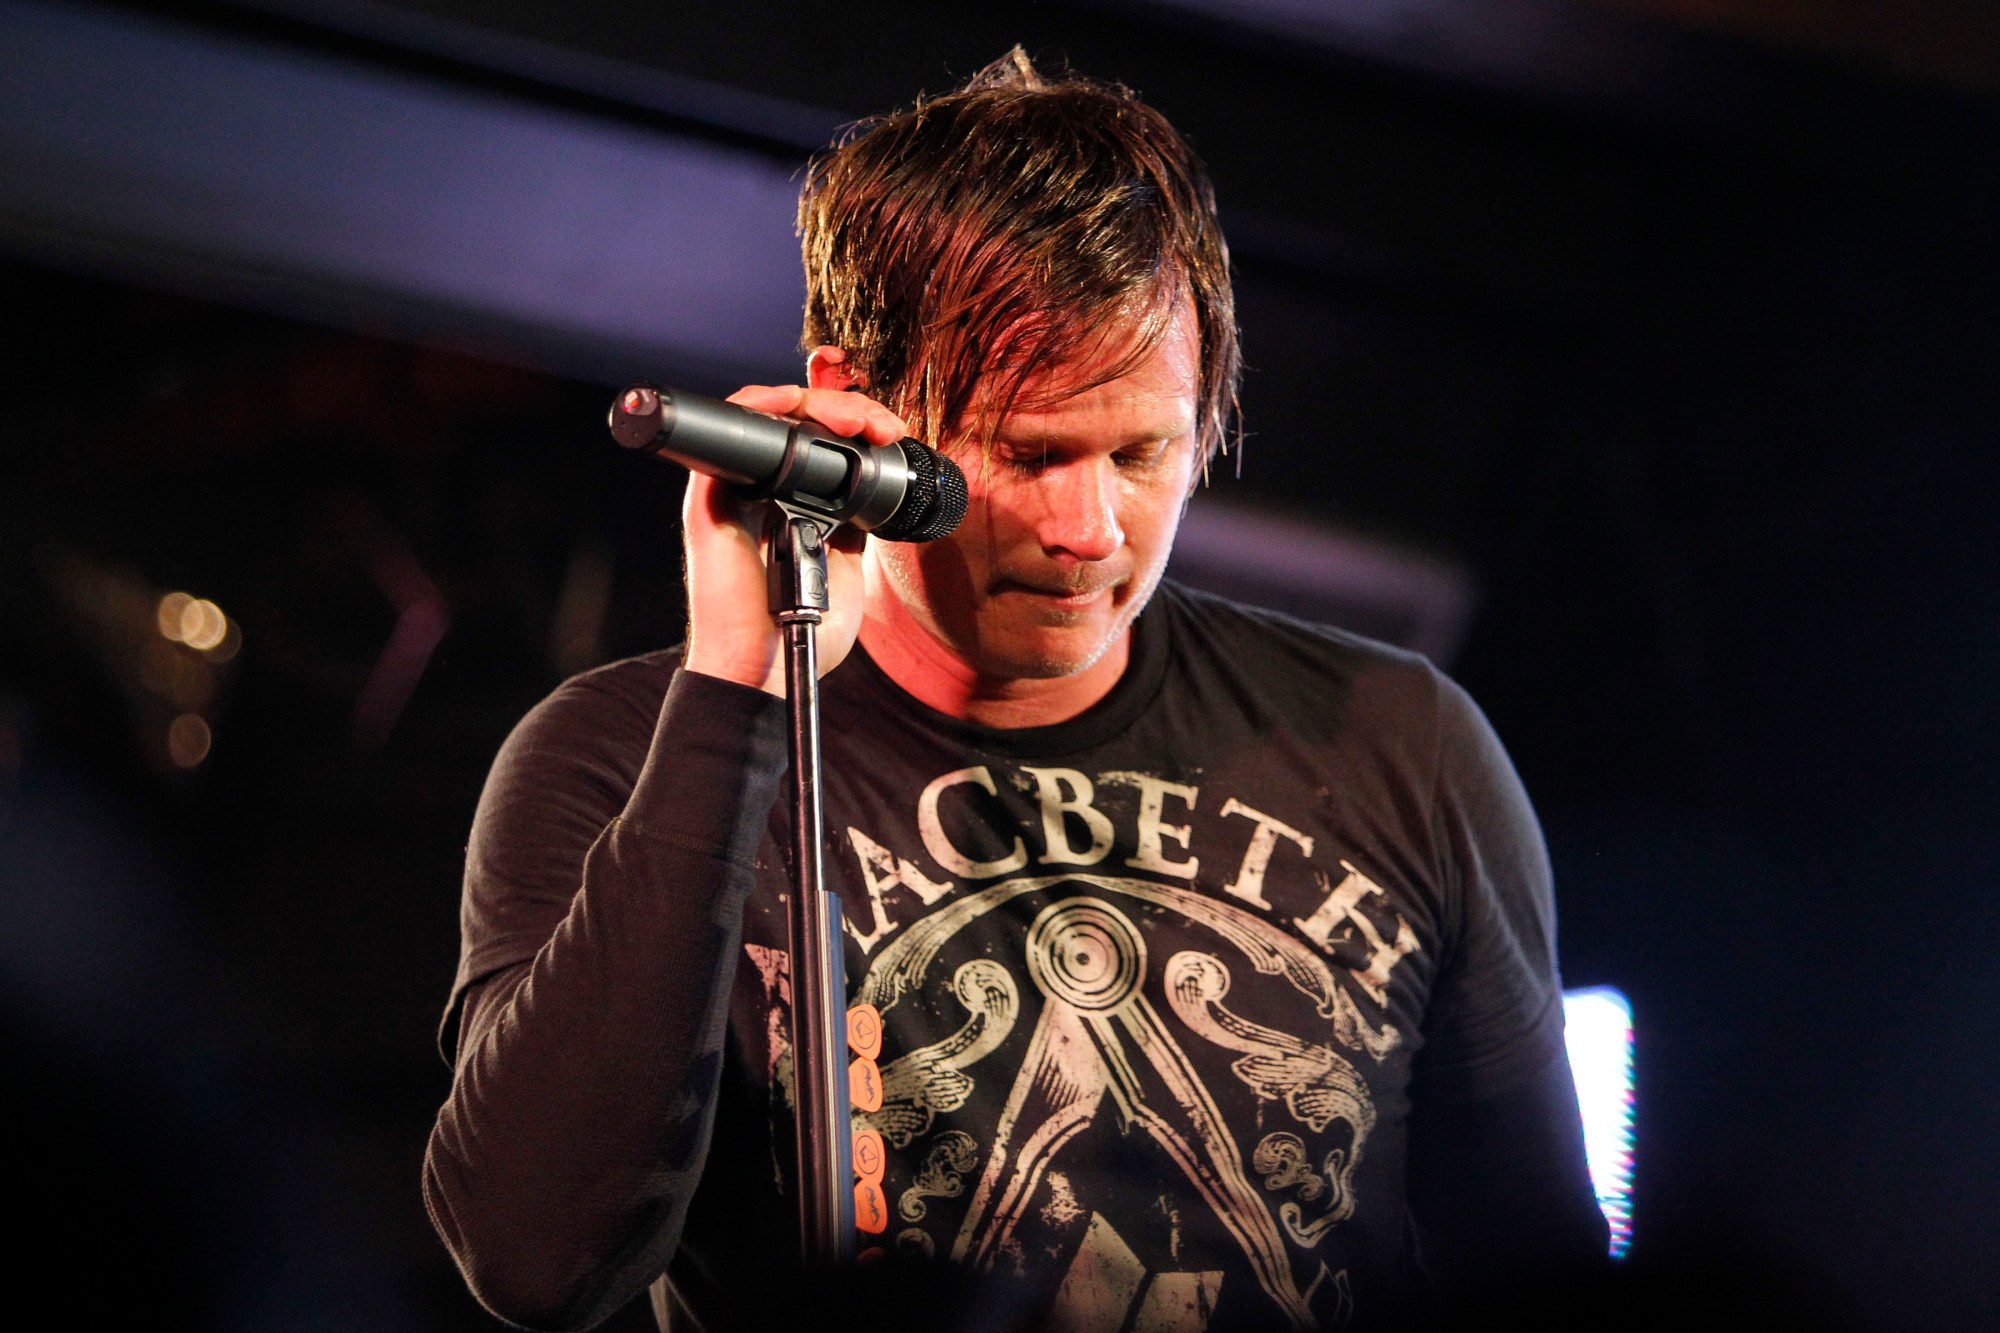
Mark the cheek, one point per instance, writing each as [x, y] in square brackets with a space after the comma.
[997, 507]
[936, 575]
[1153, 517]
[897, 565]
[995, 523]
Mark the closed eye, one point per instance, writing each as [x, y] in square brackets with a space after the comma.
[1028, 461]
[1142, 455]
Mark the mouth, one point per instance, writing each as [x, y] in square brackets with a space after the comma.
[1062, 596]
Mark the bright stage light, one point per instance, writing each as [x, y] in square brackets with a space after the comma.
[194, 621]
[1598, 1031]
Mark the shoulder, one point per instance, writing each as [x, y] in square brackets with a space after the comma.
[1218, 620]
[602, 704]
[587, 739]
[632, 684]
[1219, 643]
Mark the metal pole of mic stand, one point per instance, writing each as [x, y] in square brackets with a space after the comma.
[799, 599]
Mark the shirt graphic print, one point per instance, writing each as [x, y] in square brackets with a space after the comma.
[1111, 1063]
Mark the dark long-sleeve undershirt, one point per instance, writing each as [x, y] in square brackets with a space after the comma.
[560, 1170]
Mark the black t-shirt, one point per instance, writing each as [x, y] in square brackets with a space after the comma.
[1157, 983]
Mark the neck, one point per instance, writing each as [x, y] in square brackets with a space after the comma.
[928, 670]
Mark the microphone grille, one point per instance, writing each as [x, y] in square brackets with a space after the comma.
[935, 502]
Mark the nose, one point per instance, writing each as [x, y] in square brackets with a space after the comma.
[1080, 509]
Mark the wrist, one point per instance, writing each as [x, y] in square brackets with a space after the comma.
[759, 672]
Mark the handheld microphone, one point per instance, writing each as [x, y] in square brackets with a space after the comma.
[901, 492]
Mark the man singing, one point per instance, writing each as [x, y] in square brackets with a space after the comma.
[1214, 951]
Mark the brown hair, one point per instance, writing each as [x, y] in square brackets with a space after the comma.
[954, 248]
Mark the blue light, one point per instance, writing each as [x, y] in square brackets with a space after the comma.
[1598, 1031]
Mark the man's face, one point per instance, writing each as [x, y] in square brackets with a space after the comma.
[1072, 516]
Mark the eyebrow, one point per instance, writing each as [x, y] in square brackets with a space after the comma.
[1032, 439]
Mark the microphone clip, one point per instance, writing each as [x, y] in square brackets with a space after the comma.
[796, 570]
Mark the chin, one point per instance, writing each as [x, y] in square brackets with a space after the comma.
[1039, 644]
[1045, 656]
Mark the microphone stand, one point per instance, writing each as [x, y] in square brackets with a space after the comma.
[799, 599]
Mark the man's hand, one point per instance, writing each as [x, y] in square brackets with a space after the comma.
[731, 634]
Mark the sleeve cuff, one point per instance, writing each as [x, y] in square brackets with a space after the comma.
[712, 775]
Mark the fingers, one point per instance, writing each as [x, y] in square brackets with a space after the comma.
[843, 412]
[712, 504]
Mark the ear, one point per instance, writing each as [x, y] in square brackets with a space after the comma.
[826, 368]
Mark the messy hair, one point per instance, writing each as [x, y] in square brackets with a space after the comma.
[957, 247]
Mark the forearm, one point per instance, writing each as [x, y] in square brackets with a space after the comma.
[561, 1167]
[1500, 1189]
[1498, 1181]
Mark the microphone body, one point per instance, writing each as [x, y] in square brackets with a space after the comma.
[904, 491]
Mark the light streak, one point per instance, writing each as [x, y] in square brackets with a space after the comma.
[1598, 1031]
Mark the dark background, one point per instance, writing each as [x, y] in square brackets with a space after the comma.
[1665, 328]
